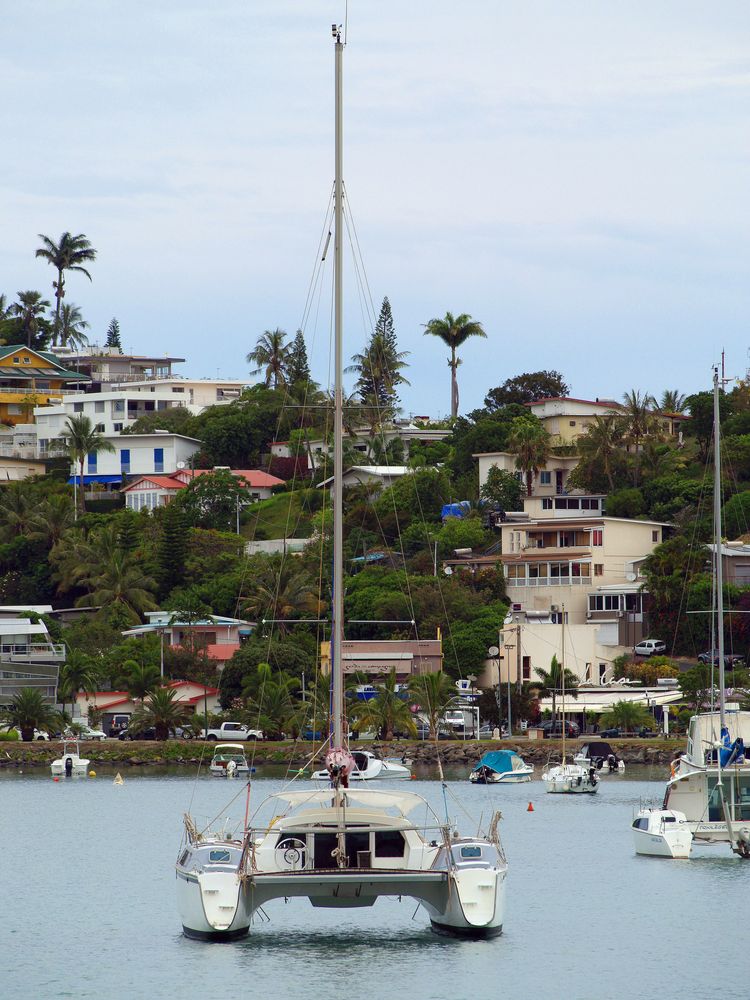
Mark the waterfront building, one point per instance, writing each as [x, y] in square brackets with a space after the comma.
[117, 707]
[377, 657]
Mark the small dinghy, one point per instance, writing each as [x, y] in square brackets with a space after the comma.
[501, 766]
[229, 760]
[368, 767]
[662, 833]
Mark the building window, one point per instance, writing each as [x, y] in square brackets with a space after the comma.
[117, 427]
[545, 478]
[99, 428]
[16, 361]
[547, 503]
[572, 423]
[118, 406]
[597, 536]
[77, 407]
[654, 536]
[27, 361]
[567, 539]
[587, 677]
[158, 460]
[602, 672]
[125, 460]
[598, 569]
[99, 406]
[92, 462]
[526, 668]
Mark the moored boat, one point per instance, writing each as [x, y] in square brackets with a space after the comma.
[229, 760]
[70, 761]
[662, 833]
[501, 766]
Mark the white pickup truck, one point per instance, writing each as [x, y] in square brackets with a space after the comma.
[230, 731]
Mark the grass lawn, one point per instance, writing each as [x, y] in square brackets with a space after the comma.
[286, 515]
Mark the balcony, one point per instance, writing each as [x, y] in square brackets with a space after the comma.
[43, 652]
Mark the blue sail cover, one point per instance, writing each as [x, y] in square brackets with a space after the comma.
[500, 761]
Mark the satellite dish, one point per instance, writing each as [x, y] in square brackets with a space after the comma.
[630, 577]
[448, 571]
[493, 651]
[180, 465]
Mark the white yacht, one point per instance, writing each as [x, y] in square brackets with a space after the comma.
[70, 761]
[662, 833]
[501, 767]
[368, 767]
[341, 847]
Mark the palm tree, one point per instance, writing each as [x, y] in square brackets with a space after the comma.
[79, 673]
[270, 355]
[79, 439]
[454, 331]
[552, 680]
[672, 401]
[72, 325]
[29, 311]
[530, 443]
[626, 715]
[119, 582]
[68, 254]
[163, 711]
[141, 679]
[51, 519]
[432, 692]
[601, 443]
[379, 369]
[16, 510]
[281, 590]
[638, 421]
[387, 712]
[29, 711]
[273, 708]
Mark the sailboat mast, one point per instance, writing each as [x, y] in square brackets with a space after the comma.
[337, 627]
[562, 680]
[719, 565]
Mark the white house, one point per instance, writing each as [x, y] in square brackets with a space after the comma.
[110, 412]
[148, 492]
[196, 393]
[138, 455]
[360, 475]
[361, 440]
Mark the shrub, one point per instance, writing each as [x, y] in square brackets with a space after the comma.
[9, 736]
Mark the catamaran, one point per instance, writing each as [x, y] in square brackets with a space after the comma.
[341, 846]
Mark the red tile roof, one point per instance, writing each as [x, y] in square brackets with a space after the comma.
[254, 478]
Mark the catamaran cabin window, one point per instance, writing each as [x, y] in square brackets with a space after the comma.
[219, 857]
[389, 844]
[471, 852]
[641, 824]
[185, 856]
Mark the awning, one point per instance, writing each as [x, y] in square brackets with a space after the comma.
[94, 479]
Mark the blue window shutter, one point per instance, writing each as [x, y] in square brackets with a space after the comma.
[158, 460]
[92, 461]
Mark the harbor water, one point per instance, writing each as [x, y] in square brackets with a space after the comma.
[87, 875]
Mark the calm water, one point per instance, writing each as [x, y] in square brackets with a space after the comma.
[89, 910]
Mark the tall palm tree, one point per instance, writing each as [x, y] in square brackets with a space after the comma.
[639, 422]
[270, 356]
[72, 325]
[672, 401]
[551, 682]
[16, 510]
[454, 331]
[79, 673]
[29, 311]
[163, 711]
[29, 711]
[601, 444]
[386, 713]
[141, 679]
[432, 692]
[530, 443]
[68, 254]
[273, 706]
[119, 582]
[79, 439]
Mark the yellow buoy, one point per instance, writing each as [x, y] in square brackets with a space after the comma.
[92, 774]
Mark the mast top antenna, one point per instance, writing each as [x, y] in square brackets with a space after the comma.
[336, 31]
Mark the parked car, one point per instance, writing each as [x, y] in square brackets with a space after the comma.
[609, 734]
[137, 733]
[730, 659]
[89, 733]
[39, 734]
[184, 733]
[650, 647]
[554, 729]
[645, 733]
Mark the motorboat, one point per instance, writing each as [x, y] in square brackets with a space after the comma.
[662, 833]
[341, 846]
[70, 762]
[368, 767]
[599, 754]
[229, 760]
[570, 779]
[501, 766]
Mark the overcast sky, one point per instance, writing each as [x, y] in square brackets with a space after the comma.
[574, 175]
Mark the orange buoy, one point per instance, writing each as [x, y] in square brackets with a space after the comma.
[413, 777]
[530, 807]
[55, 779]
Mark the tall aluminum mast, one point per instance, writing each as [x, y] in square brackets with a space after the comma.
[337, 623]
[719, 565]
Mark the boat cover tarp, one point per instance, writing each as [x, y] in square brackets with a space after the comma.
[500, 761]
[598, 748]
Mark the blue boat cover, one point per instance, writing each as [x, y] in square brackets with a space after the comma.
[497, 760]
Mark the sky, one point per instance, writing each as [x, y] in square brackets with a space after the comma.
[573, 175]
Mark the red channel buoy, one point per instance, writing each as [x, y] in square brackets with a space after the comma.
[530, 807]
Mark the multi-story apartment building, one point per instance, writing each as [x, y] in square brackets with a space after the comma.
[566, 419]
[137, 455]
[110, 412]
[28, 657]
[29, 379]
